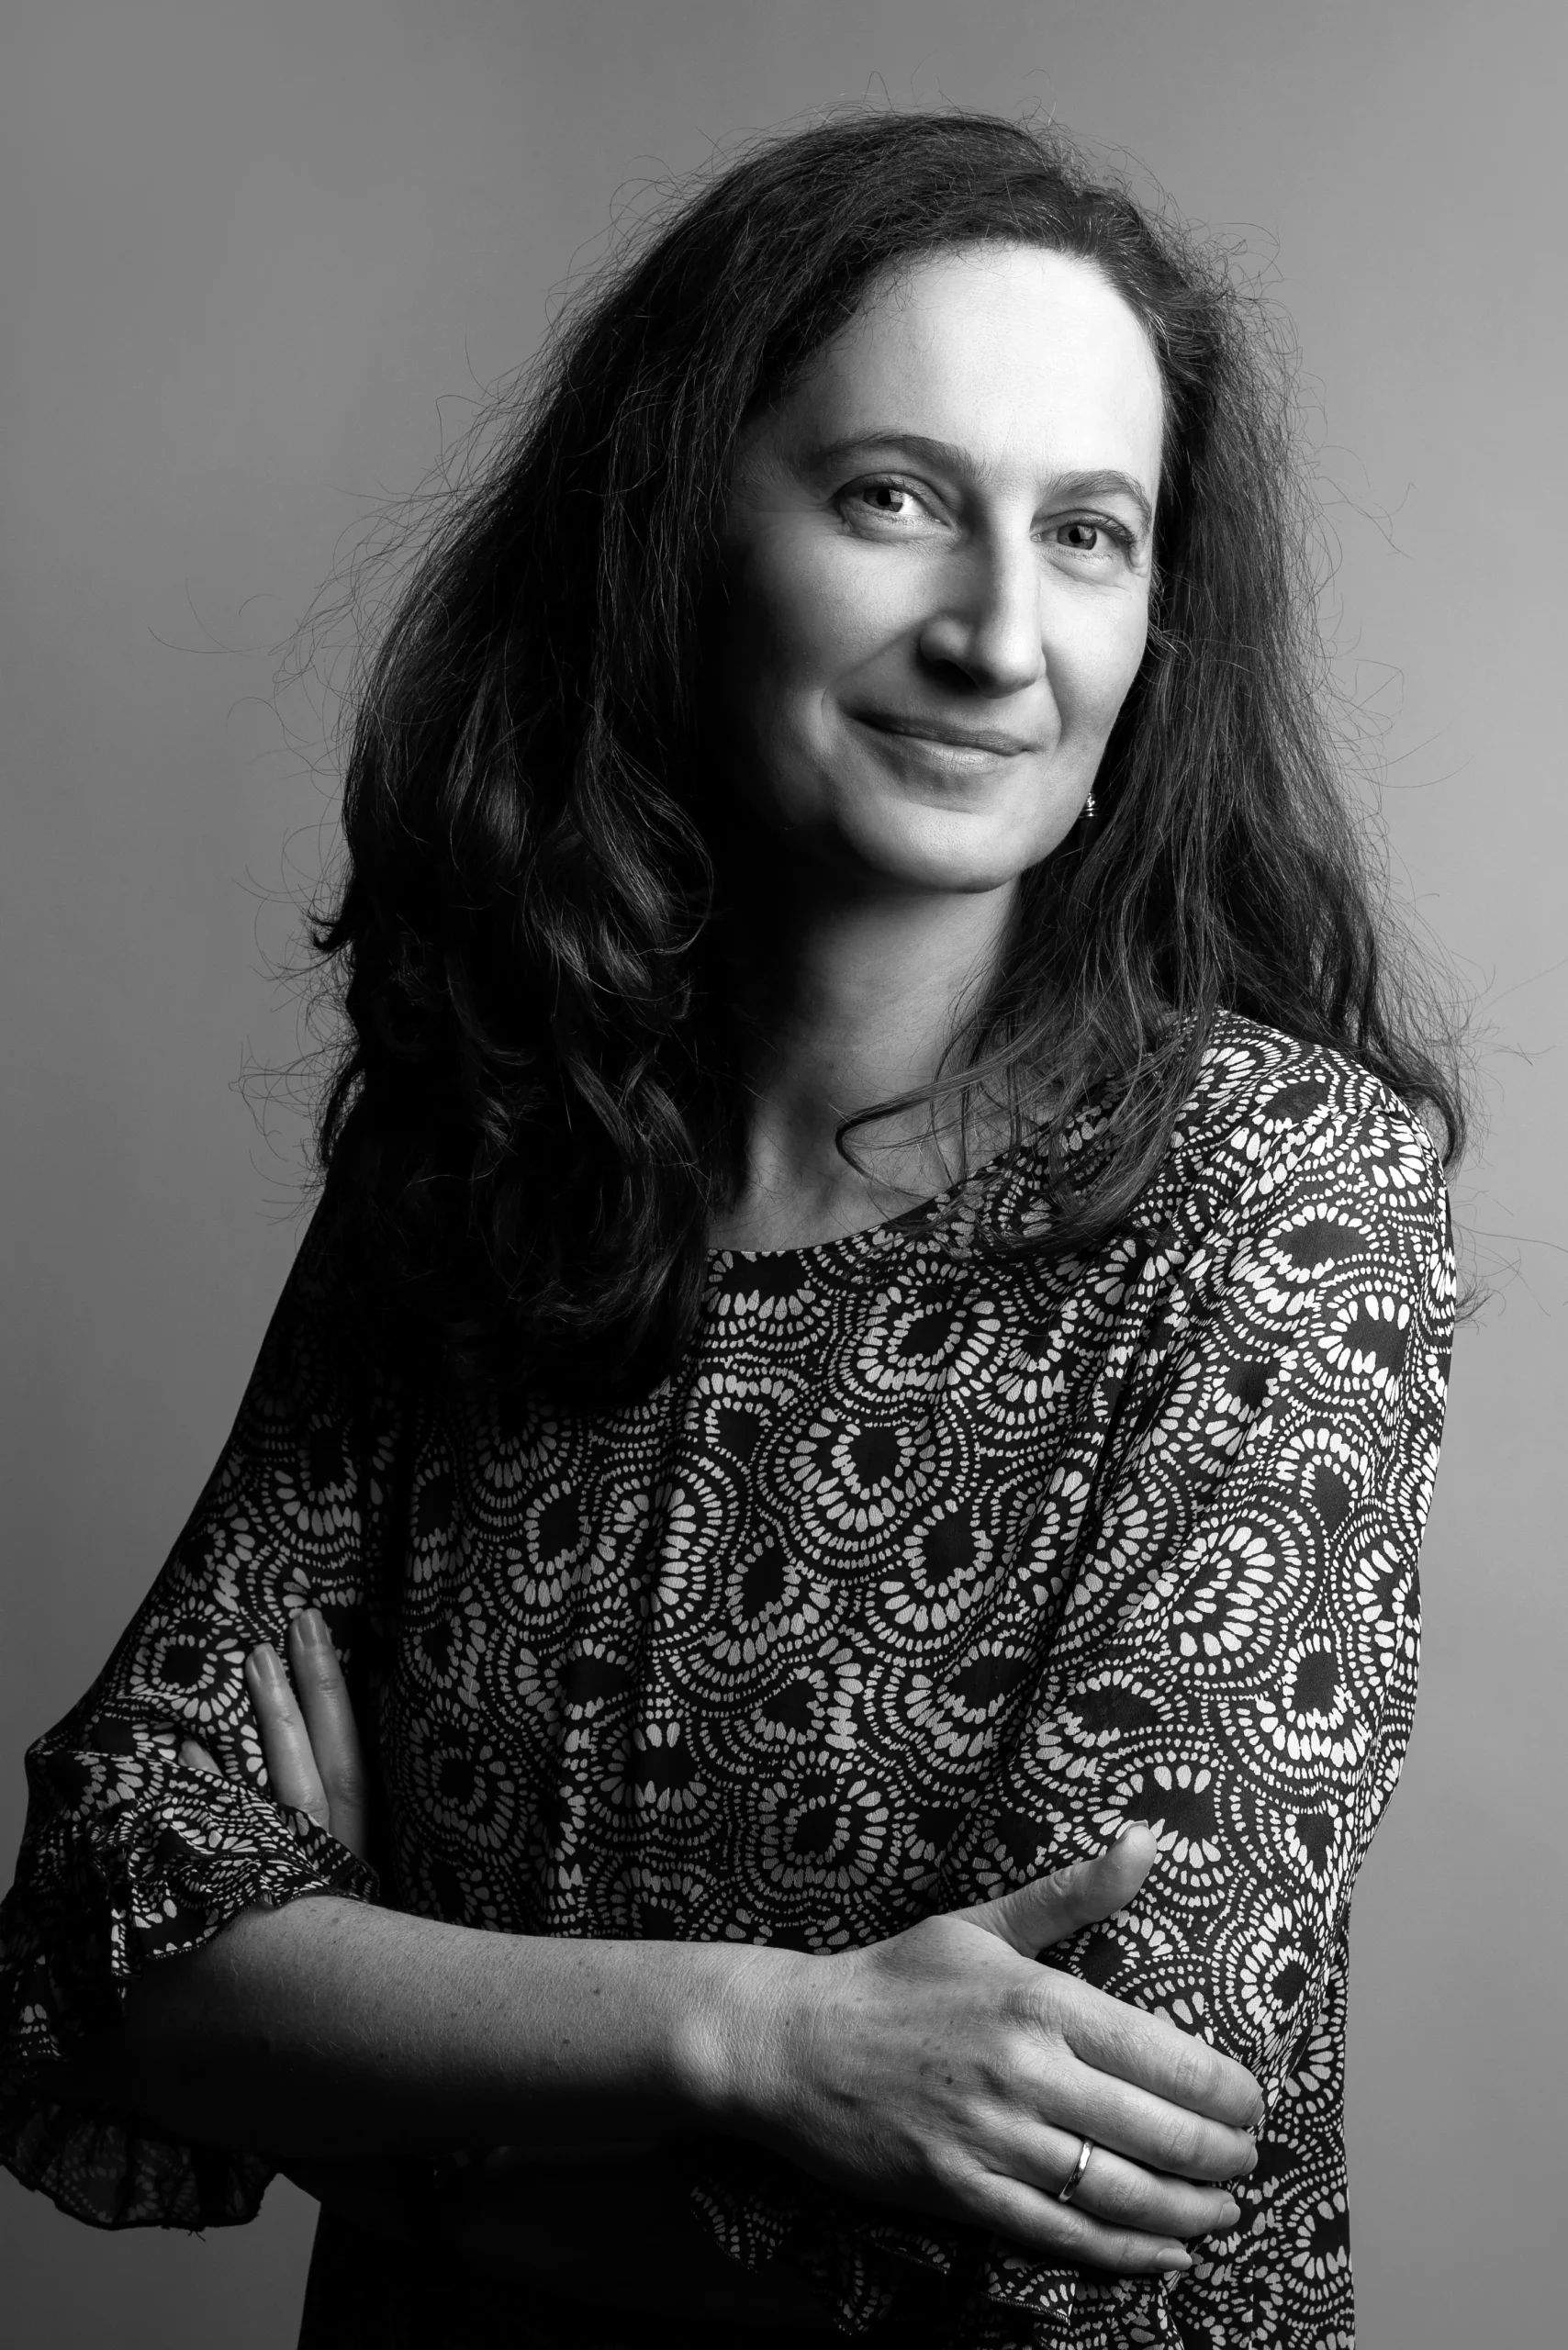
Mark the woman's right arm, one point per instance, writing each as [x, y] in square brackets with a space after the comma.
[940, 2069]
[530, 2210]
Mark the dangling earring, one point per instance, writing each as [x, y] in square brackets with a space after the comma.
[1088, 807]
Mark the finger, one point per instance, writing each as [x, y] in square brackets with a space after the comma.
[1042, 2224]
[1125, 2194]
[196, 1758]
[1172, 2066]
[330, 1723]
[1056, 1905]
[285, 1742]
[1147, 2130]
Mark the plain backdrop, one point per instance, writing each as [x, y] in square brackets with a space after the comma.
[258, 261]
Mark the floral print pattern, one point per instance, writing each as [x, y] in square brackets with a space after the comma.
[929, 1568]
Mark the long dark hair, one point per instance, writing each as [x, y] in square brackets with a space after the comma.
[536, 1111]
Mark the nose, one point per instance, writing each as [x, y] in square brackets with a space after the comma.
[989, 621]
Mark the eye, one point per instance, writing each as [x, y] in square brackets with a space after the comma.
[1093, 534]
[882, 504]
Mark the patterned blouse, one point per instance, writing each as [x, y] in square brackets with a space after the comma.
[928, 1568]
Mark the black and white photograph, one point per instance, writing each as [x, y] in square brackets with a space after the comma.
[785, 852]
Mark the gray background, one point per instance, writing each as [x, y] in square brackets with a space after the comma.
[247, 248]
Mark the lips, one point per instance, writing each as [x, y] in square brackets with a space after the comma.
[993, 742]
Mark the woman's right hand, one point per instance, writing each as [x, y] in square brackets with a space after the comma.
[944, 2069]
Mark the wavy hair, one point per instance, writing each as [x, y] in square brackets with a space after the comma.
[536, 1111]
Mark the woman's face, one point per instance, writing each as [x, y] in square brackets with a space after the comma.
[938, 565]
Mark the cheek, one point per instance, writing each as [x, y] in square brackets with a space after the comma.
[801, 617]
[1093, 658]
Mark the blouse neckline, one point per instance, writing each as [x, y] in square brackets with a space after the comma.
[850, 1247]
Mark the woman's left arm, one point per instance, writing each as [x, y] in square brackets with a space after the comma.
[1236, 1653]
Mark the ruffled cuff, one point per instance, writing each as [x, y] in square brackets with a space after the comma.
[863, 2257]
[129, 1860]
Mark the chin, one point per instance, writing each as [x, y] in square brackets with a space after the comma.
[975, 860]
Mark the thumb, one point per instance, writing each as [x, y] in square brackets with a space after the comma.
[1054, 1907]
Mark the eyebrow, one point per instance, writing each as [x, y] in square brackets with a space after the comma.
[1104, 482]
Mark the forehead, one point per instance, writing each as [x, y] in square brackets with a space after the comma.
[1020, 357]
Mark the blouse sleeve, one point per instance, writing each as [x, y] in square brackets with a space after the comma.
[1228, 1573]
[129, 1855]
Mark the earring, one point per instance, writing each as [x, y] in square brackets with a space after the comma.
[1088, 810]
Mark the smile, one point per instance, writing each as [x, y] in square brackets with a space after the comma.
[980, 742]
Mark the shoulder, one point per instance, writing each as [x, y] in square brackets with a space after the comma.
[1311, 1197]
[318, 1378]
[1269, 1112]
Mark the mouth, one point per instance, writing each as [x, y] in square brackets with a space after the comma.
[982, 742]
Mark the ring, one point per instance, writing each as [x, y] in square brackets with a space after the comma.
[1065, 2194]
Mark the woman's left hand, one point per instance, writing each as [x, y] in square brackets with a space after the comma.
[611, 2228]
[315, 1762]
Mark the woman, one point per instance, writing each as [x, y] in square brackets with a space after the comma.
[861, 1400]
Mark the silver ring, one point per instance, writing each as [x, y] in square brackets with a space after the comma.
[1065, 2194]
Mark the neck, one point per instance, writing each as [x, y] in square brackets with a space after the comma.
[845, 998]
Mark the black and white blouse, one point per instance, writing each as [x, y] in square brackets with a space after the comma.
[927, 1570]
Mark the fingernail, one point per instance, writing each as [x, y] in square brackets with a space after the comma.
[1174, 2257]
[267, 1666]
[311, 1626]
[1232, 2216]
